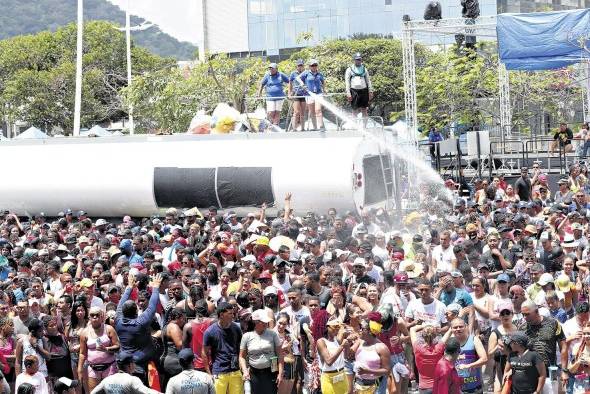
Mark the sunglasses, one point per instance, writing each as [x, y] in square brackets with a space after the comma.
[94, 315]
[505, 313]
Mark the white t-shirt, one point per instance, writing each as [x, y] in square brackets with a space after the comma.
[443, 258]
[296, 316]
[190, 382]
[37, 381]
[398, 302]
[570, 328]
[433, 313]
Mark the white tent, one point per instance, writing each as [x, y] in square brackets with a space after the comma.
[31, 133]
[96, 131]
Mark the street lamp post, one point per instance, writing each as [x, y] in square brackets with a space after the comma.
[128, 43]
[79, 54]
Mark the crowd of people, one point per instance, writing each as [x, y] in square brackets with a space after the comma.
[304, 87]
[490, 296]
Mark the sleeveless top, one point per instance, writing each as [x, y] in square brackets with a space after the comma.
[189, 313]
[99, 356]
[29, 350]
[332, 347]
[198, 331]
[500, 358]
[367, 357]
[483, 302]
[471, 376]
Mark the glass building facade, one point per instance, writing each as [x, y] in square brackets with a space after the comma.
[278, 25]
[540, 5]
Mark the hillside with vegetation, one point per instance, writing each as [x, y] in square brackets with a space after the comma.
[29, 17]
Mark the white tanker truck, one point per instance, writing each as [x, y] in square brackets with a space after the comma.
[144, 175]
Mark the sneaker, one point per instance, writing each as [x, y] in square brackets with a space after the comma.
[322, 129]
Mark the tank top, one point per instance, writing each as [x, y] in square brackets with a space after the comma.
[99, 356]
[190, 313]
[483, 302]
[367, 357]
[198, 331]
[332, 347]
[29, 350]
[471, 376]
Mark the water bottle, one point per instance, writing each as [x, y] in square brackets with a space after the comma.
[247, 388]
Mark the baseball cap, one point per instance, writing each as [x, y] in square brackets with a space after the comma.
[545, 279]
[265, 275]
[563, 283]
[398, 255]
[272, 65]
[400, 278]
[483, 265]
[86, 282]
[503, 278]
[260, 315]
[186, 355]
[505, 306]
[299, 62]
[100, 222]
[313, 62]
[471, 227]
[270, 290]
[577, 226]
[359, 261]
[357, 56]
[456, 274]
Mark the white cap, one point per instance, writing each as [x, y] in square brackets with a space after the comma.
[100, 222]
[359, 261]
[340, 252]
[301, 238]
[270, 290]
[260, 315]
[545, 279]
[250, 257]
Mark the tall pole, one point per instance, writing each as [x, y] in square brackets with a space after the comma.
[128, 39]
[79, 42]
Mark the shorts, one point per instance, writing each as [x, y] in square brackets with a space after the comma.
[360, 98]
[100, 375]
[299, 98]
[289, 371]
[334, 382]
[229, 382]
[397, 358]
[349, 367]
[311, 99]
[274, 105]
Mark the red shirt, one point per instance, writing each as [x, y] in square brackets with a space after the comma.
[446, 379]
[198, 331]
[426, 357]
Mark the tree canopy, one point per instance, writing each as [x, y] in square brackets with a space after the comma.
[37, 75]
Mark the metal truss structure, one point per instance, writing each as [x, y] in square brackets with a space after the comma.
[484, 26]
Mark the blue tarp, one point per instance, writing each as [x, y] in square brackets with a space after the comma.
[543, 40]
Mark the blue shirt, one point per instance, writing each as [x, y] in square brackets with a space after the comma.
[312, 81]
[456, 296]
[559, 314]
[435, 136]
[274, 85]
[135, 335]
[225, 347]
[297, 87]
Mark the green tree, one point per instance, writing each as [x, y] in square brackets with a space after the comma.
[455, 86]
[168, 99]
[383, 58]
[37, 75]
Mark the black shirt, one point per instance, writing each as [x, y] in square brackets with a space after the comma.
[525, 375]
[564, 137]
[543, 338]
[523, 188]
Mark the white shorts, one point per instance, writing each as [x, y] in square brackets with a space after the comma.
[311, 99]
[274, 105]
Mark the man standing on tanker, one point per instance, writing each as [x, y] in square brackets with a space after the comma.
[359, 89]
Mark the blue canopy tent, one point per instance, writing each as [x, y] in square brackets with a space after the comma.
[543, 40]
